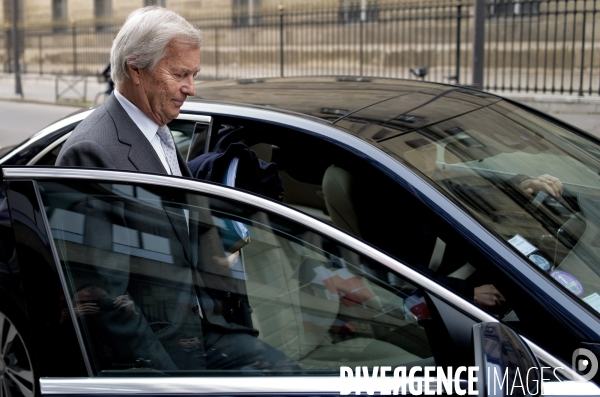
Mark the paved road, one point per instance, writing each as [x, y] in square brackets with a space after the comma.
[21, 120]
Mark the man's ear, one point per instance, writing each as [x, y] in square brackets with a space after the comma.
[134, 73]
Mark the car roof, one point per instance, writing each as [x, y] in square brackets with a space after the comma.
[333, 98]
[373, 109]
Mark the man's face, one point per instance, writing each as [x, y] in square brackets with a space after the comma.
[164, 89]
[189, 344]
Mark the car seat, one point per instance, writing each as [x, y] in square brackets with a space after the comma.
[337, 190]
[340, 190]
[295, 314]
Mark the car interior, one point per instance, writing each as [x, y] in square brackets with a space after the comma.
[338, 186]
[341, 188]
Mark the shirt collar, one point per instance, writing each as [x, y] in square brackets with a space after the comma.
[143, 122]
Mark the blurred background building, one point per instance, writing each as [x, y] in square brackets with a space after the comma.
[548, 46]
[60, 11]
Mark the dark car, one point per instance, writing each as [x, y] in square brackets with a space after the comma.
[428, 176]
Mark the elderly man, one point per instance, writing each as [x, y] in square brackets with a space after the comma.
[154, 58]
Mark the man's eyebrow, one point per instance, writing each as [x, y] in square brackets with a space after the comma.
[190, 71]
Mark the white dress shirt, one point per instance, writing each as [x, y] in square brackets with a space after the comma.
[146, 125]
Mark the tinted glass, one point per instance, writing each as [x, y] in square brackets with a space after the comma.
[162, 281]
[323, 97]
[532, 182]
[182, 131]
[415, 110]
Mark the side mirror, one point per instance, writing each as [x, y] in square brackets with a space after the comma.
[507, 367]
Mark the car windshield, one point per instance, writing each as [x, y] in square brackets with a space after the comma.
[532, 182]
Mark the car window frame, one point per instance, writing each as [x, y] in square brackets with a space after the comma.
[198, 119]
[59, 142]
[215, 384]
[60, 128]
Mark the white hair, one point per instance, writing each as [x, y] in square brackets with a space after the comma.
[143, 39]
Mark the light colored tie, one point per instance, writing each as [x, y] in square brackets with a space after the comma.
[168, 145]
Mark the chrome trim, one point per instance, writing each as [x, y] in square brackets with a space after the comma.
[219, 385]
[49, 148]
[237, 195]
[194, 117]
[33, 161]
[198, 385]
[240, 111]
[63, 283]
[80, 116]
[48, 130]
[245, 385]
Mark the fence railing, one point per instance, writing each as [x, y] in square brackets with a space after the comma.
[551, 49]
[530, 45]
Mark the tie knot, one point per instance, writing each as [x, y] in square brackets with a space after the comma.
[165, 135]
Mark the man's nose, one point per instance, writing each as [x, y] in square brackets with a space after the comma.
[189, 88]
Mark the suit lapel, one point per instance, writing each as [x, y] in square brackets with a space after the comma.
[141, 153]
[144, 158]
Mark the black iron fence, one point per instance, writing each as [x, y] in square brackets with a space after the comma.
[530, 45]
[545, 46]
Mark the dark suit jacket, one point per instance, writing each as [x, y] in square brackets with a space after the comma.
[108, 138]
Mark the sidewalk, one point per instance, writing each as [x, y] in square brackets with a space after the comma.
[67, 90]
[582, 112]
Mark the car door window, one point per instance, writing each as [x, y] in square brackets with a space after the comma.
[301, 158]
[341, 188]
[183, 131]
[164, 281]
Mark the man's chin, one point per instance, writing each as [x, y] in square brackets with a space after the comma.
[174, 114]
